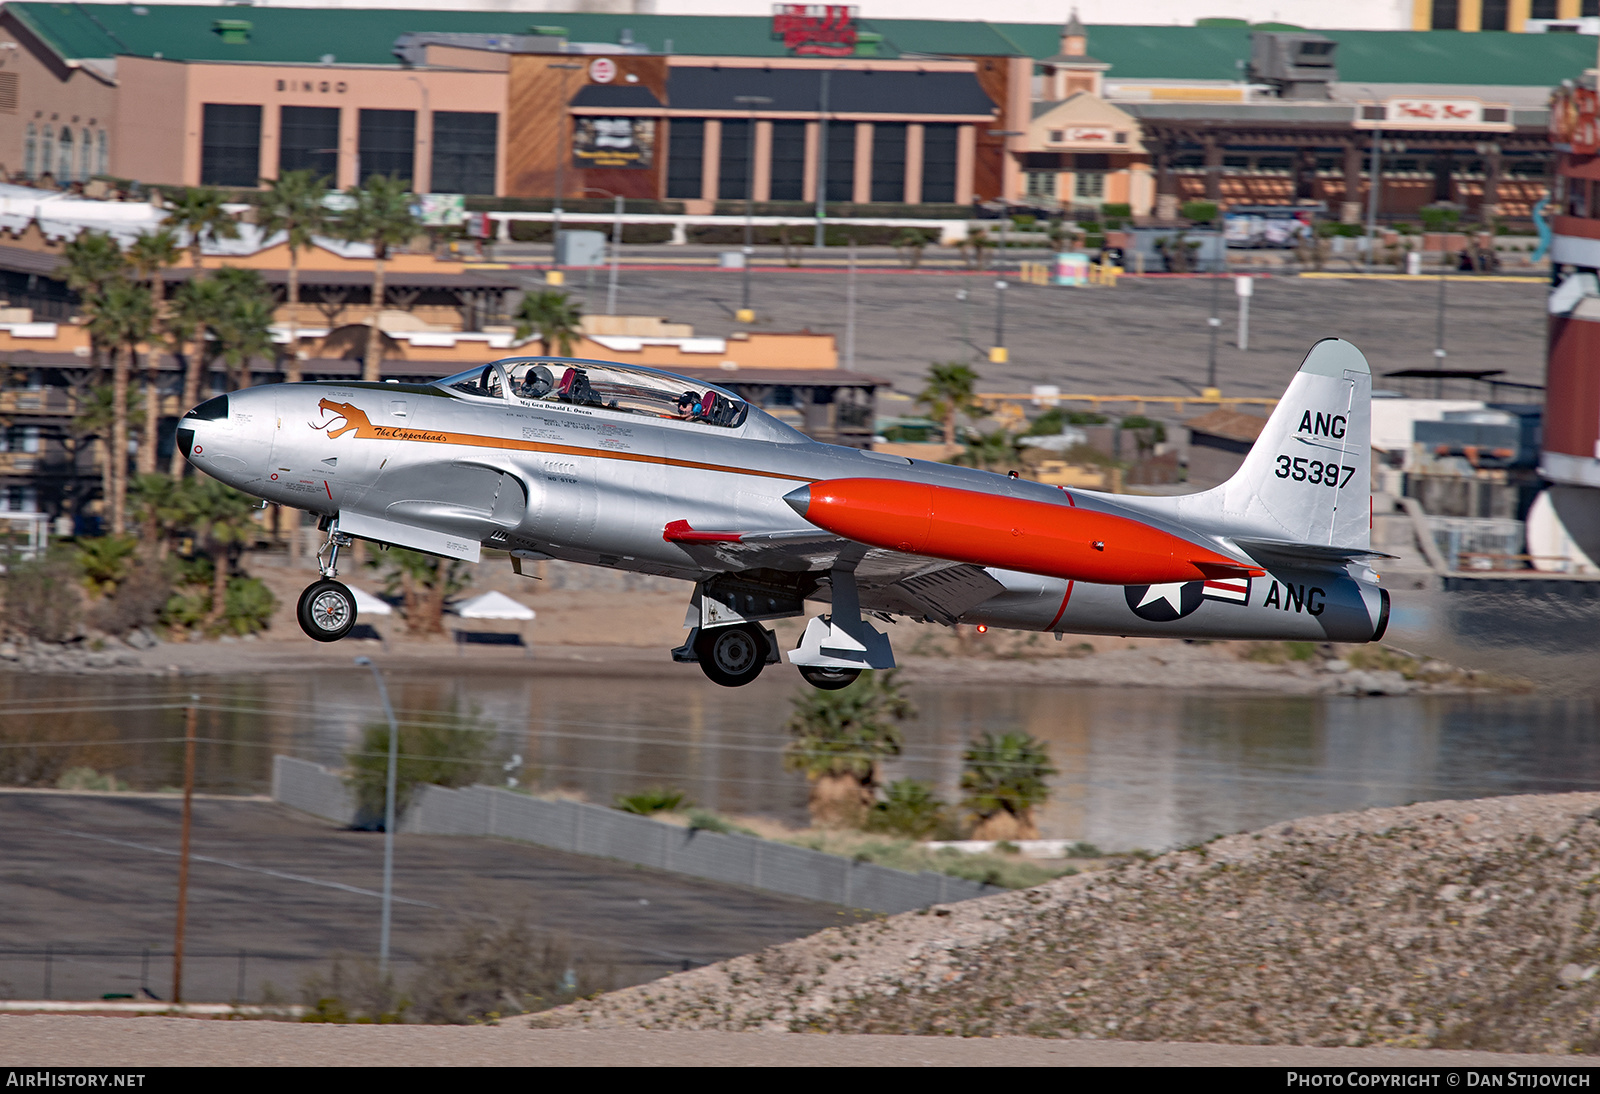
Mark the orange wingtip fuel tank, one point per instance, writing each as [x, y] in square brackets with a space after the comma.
[1033, 537]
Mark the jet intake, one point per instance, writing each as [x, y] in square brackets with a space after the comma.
[1007, 533]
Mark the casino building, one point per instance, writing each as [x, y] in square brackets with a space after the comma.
[701, 109]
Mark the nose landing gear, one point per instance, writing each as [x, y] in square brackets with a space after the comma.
[327, 608]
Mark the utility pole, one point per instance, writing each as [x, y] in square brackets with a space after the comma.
[555, 276]
[746, 313]
[191, 715]
[1244, 287]
[616, 255]
[388, 817]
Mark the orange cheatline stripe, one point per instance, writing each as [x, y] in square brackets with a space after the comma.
[473, 440]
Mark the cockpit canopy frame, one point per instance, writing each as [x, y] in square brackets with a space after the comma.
[606, 385]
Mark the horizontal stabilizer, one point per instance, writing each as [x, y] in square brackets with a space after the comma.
[1268, 551]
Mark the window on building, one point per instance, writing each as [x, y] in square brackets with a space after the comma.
[21, 499]
[1091, 186]
[230, 145]
[841, 161]
[733, 168]
[20, 438]
[686, 149]
[889, 161]
[30, 152]
[1543, 9]
[64, 153]
[1042, 185]
[464, 152]
[85, 154]
[102, 157]
[1496, 15]
[788, 161]
[1589, 9]
[48, 147]
[308, 139]
[9, 86]
[939, 143]
[388, 143]
[1446, 14]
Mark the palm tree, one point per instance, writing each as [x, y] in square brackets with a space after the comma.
[839, 739]
[92, 260]
[220, 516]
[948, 392]
[423, 583]
[160, 504]
[1003, 780]
[198, 214]
[292, 204]
[554, 316]
[123, 316]
[150, 255]
[380, 215]
[243, 325]
[195, 308]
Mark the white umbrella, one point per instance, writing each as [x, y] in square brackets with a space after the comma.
[367, 604]
[493, 605]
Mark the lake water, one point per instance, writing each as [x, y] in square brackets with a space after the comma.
[1138, 767]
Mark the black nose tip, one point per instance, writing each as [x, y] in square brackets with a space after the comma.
[212, 410]
[185, 441]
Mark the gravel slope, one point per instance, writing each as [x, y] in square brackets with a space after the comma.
[1448, 924]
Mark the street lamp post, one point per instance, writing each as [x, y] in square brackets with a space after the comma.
[388, 816]
[746, 314]
[616, 244]
[556, 277]
[997, 353]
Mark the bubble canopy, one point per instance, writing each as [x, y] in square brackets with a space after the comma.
[530, 381]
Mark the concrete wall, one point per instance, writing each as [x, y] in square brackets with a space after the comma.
[594, 830]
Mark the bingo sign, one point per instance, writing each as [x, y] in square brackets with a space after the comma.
[613, 142]
[1575, 121]
[815, 30]
[602, 70]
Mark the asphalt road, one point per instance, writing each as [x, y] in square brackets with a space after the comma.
[83, 874]
[1146, 336]
[82, 1041]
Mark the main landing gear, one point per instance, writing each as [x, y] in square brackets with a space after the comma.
[327, 609]
[732, 648]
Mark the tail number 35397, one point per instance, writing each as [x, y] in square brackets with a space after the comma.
[1301, 469]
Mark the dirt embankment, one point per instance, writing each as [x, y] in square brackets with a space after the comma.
[1449, 924]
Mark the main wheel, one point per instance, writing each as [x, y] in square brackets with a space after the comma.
[732, 656]
[828, 679]
[327, 611]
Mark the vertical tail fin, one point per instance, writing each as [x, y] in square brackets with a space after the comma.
[1308, 479]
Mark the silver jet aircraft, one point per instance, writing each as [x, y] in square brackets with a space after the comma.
[635, 469]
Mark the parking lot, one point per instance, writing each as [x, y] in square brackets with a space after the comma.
[1145, 336]
[91, 884]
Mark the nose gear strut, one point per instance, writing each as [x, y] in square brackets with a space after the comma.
[327, 608]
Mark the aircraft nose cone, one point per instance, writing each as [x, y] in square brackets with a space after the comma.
[799, 499]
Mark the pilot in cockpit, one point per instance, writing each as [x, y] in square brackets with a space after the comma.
[689, 405]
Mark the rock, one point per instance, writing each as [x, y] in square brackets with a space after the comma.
[1381, 682]
[142, 639]
[9, 652]
[1339, 665]
[1576, 974]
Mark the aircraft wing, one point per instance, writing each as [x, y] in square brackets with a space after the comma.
[886, 581]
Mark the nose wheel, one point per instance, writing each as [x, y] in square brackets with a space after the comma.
[327, 610]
